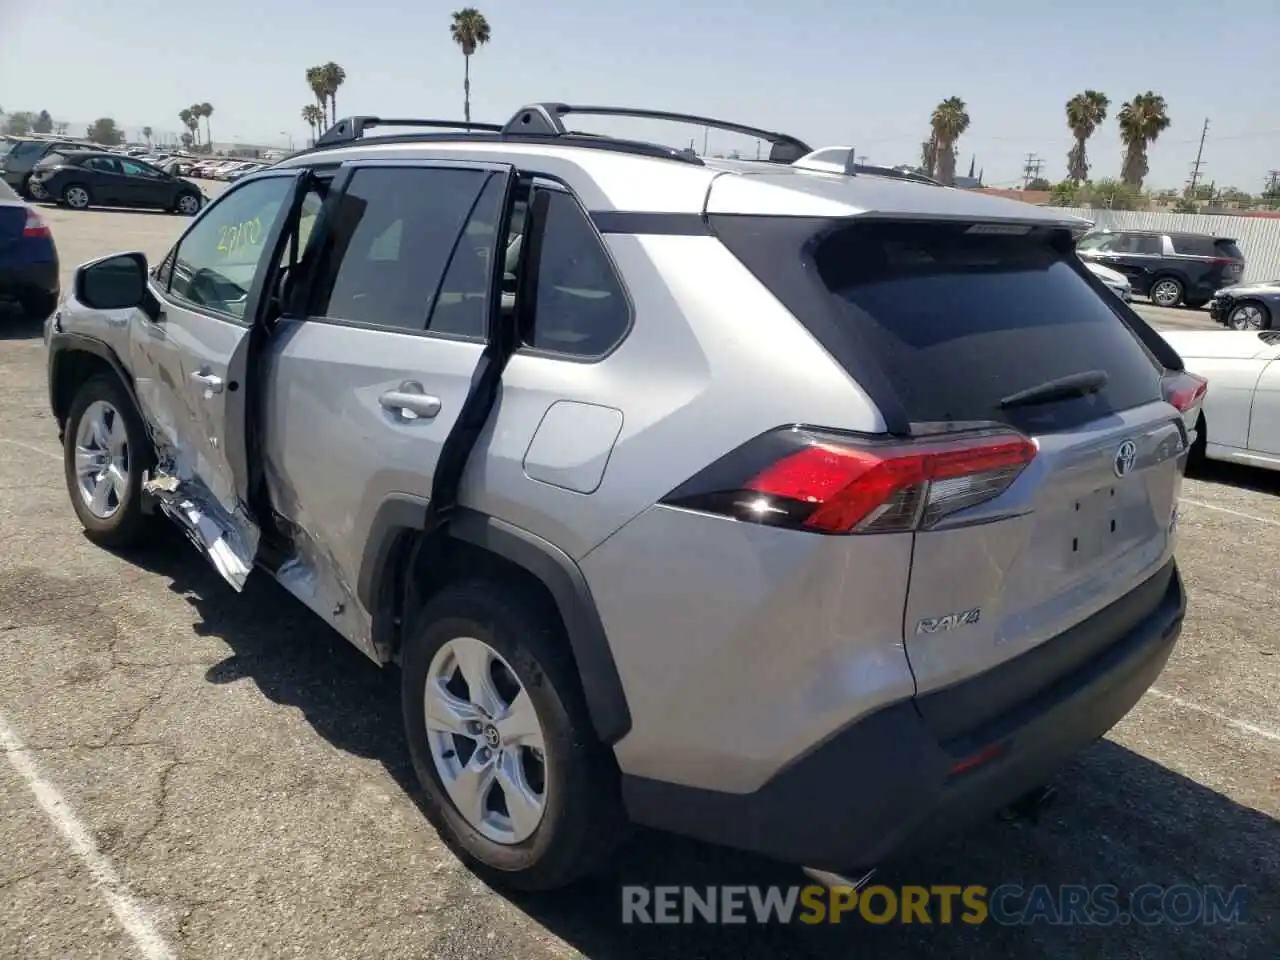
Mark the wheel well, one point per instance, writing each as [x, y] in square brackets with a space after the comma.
[72, 369]
[421, 565]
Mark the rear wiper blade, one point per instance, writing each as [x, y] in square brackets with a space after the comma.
[1073, 385]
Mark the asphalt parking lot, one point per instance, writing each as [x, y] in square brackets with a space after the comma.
[192, 773]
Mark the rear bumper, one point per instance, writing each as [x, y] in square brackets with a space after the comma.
[889, 783]
[29, 278]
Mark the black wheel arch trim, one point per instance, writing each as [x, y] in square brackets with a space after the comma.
[62, 343]
[556, 570]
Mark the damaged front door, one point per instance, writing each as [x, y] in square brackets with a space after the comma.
[188, 354]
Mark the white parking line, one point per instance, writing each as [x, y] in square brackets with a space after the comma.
[1235, 513]
[34, 449]
[127, 910]
[1249, 728]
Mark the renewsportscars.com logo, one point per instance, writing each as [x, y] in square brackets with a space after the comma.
[1009, 905]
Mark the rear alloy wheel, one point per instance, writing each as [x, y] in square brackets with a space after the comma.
[77, 197]
[36, 190]
[1166, 292]
[514, 778]
[188, 204]
[1249, 316]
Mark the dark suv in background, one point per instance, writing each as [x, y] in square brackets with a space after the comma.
[21, 154]
[1170, 268]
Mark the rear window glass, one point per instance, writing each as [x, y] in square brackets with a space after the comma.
[954, 322]
[52, 159]
[1228, 248]
[26, 148]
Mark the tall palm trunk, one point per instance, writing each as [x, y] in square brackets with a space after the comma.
[208, 135]
[466, 87]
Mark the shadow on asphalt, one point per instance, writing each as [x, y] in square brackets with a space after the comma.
[1237, 475]
[1120, 819]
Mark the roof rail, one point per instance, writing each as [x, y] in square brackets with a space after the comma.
[352, 128]
[544, 119]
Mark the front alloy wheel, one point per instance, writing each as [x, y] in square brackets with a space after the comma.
[188, 204]
[1247, 316]
[102, 459]
[486, 742]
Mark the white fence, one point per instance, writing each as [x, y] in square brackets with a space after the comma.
[1257, 237]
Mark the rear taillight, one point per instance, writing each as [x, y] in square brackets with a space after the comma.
[825, 483]
[35, 226]
[1185, 390]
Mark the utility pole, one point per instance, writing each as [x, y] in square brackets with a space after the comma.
[1195, 167]
[706, 135]
[1031, 170]
[1273, 185]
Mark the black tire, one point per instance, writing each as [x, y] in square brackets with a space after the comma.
[38, 306]
[67, 191]
[1179, 291]
[1196, 456]
[1264, 312]
[177, 203]
[583, 819]
[128, 526]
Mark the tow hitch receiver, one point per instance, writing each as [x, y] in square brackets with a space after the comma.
[1029, 806]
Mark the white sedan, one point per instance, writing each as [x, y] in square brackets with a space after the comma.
[1240, 415]
[1115, 281]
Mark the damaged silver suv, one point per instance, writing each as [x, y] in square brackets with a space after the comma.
[816, 514]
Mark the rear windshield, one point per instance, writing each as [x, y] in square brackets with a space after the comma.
[26, 148]
[954, 322]
[52, 159]
[1195, 246]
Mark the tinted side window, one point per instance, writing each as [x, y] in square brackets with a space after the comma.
[103, 164]
[1148, 245]
[391, 239]
[581, 307]
[217, 260]
[1196, 246]
[462, 305]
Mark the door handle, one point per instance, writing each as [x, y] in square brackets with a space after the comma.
[211, 382]
[410, 402]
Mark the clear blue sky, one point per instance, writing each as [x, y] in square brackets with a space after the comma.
[829, 71]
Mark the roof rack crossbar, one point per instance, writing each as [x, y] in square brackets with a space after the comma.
[545, 119]
[349, 129]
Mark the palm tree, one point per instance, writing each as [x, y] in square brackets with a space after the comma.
[1085, 112]
[470, 31]
[314, 117]
[334, 77]
[316, 80]
[1142, 120]
[206, 111]
[187, 119]
[949, 121]
[146, 135]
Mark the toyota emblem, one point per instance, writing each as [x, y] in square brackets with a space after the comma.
[1126, 457]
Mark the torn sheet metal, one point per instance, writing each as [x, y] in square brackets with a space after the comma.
[229, 541]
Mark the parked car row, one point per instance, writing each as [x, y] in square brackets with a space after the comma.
[224, 169]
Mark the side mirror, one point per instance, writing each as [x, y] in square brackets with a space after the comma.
[113, 283]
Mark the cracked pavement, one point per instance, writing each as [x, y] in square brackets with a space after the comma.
[243, 768]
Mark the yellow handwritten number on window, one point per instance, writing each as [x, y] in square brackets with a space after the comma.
[238, 236]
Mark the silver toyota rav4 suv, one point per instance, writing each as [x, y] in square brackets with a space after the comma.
[808, 513]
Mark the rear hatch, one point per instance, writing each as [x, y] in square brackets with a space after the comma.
[993, 330]
[1220, 252]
